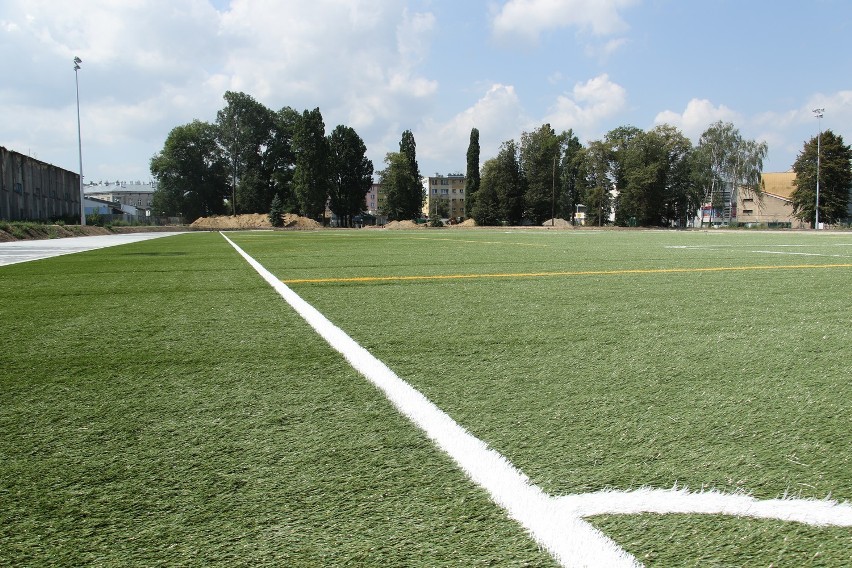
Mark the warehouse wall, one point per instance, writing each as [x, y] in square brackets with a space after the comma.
[33, 190]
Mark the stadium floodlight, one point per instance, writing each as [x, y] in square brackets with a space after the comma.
[77, 62]
[818, 112]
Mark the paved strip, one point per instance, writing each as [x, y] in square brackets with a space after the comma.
[26, 251]
[575, 273]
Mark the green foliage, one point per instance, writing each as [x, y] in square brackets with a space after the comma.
[311, 178]
[401, 180]
[472, 173]
[835, 175]
[351, 173]
[276, 211]
[539, 156]
[254, 148]
[191, 172]
[727, 162]
[597, 183]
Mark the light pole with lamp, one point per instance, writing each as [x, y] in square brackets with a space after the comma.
[77, 62]
[818, 112]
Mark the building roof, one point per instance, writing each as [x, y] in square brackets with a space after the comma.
[121, 187]
[779, 183]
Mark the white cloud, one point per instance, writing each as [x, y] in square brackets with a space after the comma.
[590, 104]
[696, 117]
[498, 116]
[527, 19]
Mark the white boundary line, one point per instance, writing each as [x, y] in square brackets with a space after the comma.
[556, 523]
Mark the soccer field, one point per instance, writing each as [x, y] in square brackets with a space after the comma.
[162, 404]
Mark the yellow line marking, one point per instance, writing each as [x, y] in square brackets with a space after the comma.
[476, 242]
[542, 274]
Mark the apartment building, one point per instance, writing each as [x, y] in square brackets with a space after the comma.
[445, 197]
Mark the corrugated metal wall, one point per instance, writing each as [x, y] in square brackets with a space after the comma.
[33, 190]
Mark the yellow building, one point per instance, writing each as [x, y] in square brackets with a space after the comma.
[445, 197]
[774, 209]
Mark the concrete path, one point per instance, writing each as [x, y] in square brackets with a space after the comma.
[25, 251]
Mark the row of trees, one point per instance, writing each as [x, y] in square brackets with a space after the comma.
[251, 155]
[661, 178]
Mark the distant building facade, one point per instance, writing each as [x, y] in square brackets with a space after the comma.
[32, 190]
[445, 196]
[139, 195]
[774, 207]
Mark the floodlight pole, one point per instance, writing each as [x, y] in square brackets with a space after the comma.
[818, 112]
[77, 62]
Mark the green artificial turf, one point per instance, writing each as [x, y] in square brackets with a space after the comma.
[162, 406]
[731, 380]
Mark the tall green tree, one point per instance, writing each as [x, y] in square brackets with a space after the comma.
[539, 157]
[246, 136]
[311, 177]
[569, 180]
[351, 173]
[728, 163]
[502, 188]
[835, 179]
[192, 173]
[486, 208]
[656, 188]
[414, 193]
[472, 175]
[597, 184]
[397, 179]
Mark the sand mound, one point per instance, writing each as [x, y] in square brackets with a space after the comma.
[249, 221]
[292, 221]
[402, 225]
[467, 223]
[253, 221]
[556, 223]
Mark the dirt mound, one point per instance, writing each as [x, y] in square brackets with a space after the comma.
[402, 225]
[556, 223]
[292, 221]
[467, 223]
[249, 221]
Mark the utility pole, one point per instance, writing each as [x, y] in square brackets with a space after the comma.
[818, 112]
[77, 62]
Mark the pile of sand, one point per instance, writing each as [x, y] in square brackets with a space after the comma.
[253, 221]
[249, 221]
[292, 221]
[402, 225]
[556, 223]
[467, 223]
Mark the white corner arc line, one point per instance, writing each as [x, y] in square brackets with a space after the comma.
[571, 540]
[556, 523]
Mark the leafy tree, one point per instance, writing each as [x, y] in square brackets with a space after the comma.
[486, 209]
[597, 184]
[414, 193]
[311, 178]
[404, 194]
[191, 173]
[503, 183]
[472, 176]
[835, 179]
[539, 154]
[569, 180]
[276, 210]
[350, 171]
[655, 179]
[246, 136]
[282, 158]
[397, 180]
[728, 162]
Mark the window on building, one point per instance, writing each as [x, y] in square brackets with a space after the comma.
[748, 211]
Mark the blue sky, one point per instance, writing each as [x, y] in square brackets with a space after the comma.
[436, 67]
